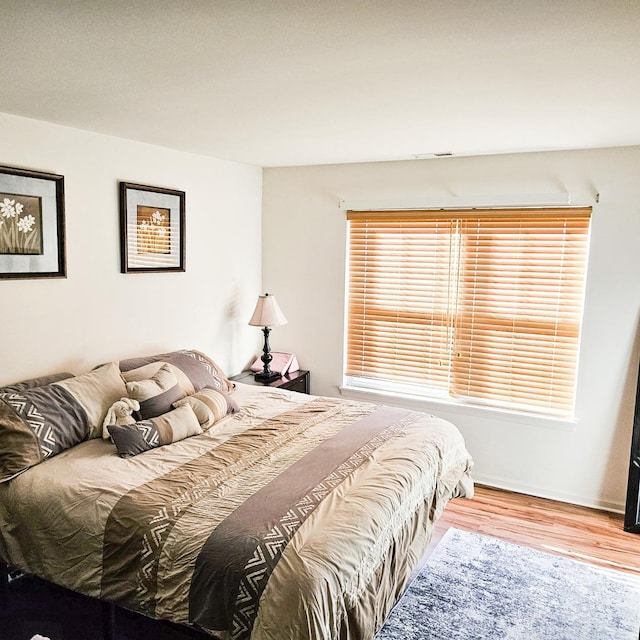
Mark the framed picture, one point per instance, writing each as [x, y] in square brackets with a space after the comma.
[31, 224]
[151, 229]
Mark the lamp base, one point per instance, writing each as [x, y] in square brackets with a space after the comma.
[261, 376]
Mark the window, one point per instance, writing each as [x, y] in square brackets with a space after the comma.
[481, 306]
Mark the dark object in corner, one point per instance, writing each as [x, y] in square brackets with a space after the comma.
[632, 511]
[30, 606]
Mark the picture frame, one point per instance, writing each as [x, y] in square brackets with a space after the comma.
[152, 229]
[32, 224]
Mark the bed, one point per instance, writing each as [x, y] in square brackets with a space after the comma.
[290, 517]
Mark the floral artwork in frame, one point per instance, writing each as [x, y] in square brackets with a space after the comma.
[32, 241]
[152, 230]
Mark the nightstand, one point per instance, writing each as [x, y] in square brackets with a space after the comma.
[292, 381]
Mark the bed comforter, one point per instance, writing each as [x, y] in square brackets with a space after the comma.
[298, 518]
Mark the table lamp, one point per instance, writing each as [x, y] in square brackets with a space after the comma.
[267, 314]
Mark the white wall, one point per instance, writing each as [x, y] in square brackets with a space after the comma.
[304, 251]
[97, 313]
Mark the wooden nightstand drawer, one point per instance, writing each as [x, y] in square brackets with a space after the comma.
[299, 383]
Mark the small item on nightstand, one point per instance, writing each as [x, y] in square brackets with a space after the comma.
[280, 363]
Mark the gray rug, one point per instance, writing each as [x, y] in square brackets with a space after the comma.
[478, 588]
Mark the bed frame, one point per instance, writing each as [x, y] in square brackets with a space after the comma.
[22, 595]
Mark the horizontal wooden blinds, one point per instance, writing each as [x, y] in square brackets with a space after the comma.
[484, 305]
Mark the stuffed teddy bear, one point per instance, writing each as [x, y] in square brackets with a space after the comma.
[120, 413]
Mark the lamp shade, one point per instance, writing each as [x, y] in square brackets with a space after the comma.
[267, 313]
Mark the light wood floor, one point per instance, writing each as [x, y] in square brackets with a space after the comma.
[580, 533]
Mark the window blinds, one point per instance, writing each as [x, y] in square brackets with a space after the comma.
[480, 305]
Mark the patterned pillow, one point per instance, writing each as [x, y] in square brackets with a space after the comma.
[41, 418]
[210, 405]
[155, 395]
[201, 370]
[132, 439]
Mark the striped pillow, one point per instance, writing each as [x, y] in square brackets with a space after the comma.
[200, 369]
[210, 405]
[147, 371]
[132, 439]
[156, 394]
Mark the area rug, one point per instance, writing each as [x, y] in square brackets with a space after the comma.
[474, 587]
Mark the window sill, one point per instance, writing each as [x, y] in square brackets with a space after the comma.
[434, 405]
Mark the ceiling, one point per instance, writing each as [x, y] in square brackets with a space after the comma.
[295, 82]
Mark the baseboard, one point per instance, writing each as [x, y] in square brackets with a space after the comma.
[508, 485]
